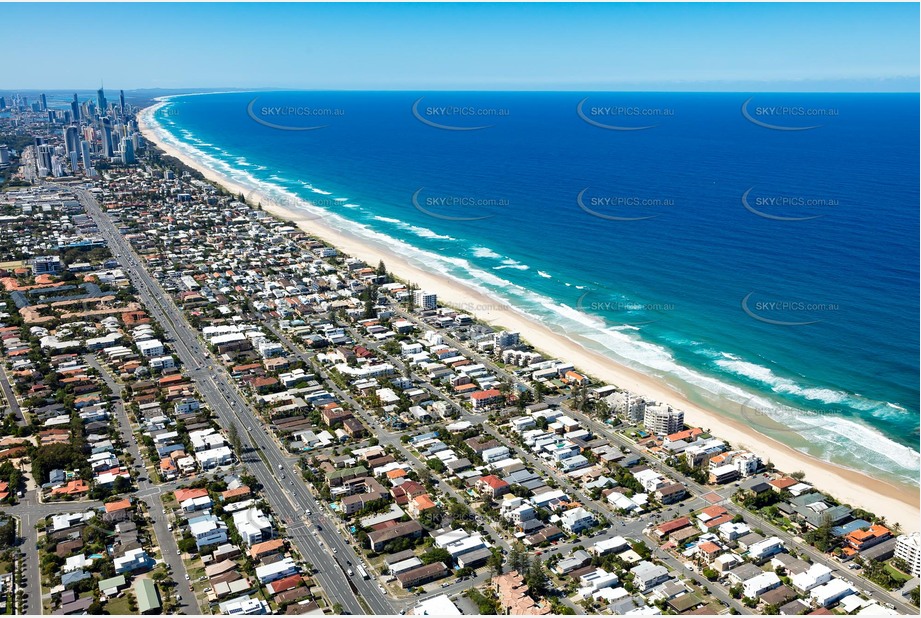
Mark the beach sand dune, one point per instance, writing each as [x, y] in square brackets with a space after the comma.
[857, 489]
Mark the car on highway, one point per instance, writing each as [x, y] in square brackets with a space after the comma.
[187, 577]
[351, 573]
[335, 551]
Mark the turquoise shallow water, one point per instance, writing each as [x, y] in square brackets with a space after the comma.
[771, 274]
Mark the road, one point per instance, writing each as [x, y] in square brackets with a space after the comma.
[289, 502]
[150, 494]
[874, 591]
[11, 397]
[385, 436]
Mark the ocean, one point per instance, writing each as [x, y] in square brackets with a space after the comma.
[757, 252]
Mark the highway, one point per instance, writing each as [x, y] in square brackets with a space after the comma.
[290, 500]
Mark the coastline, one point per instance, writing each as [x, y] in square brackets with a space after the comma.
[897, 504]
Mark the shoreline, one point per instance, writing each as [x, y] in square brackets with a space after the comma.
[856, 488]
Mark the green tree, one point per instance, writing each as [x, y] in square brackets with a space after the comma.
[436, 554]
[536, 578]
[495, 562]
[233, 433]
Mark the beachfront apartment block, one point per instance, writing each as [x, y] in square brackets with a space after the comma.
[908, 548]
[662, 419]
[424, 301]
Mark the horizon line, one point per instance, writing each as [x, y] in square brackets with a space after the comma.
[220, 89]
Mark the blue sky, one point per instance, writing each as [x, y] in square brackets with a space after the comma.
[836, 47]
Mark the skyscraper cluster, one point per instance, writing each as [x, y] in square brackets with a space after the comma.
[73, 137]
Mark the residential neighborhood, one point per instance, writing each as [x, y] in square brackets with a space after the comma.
[209, 411]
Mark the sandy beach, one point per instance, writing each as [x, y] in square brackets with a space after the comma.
[897, 504]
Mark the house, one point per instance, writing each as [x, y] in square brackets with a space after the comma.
[577, 560]
[252, 525]
[755, 586]
[440, 605]
[743, 573]
[596, 579]
[183, 495]
[831, 592]
[708, 551]
[267, 573]
[816, 575]
[285, 583]
[647, 575]
[191, 505]
[419, 505]
[492, 486]
[258, 550]
[380, 538]
[759, 552]
[666, 528]
[860, 540]
[495, 454]
[607, 546]
[422, 575]
[232, 495]
[207, 530]
[133, 560]
[576, 520]
[484, 399]
[112, 586]
[669, 494]
[119, 510]
[148, 598]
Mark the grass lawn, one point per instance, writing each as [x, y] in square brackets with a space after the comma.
[897, 574]
[119, 606]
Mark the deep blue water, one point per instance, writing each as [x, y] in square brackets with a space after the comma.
[660, 264]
